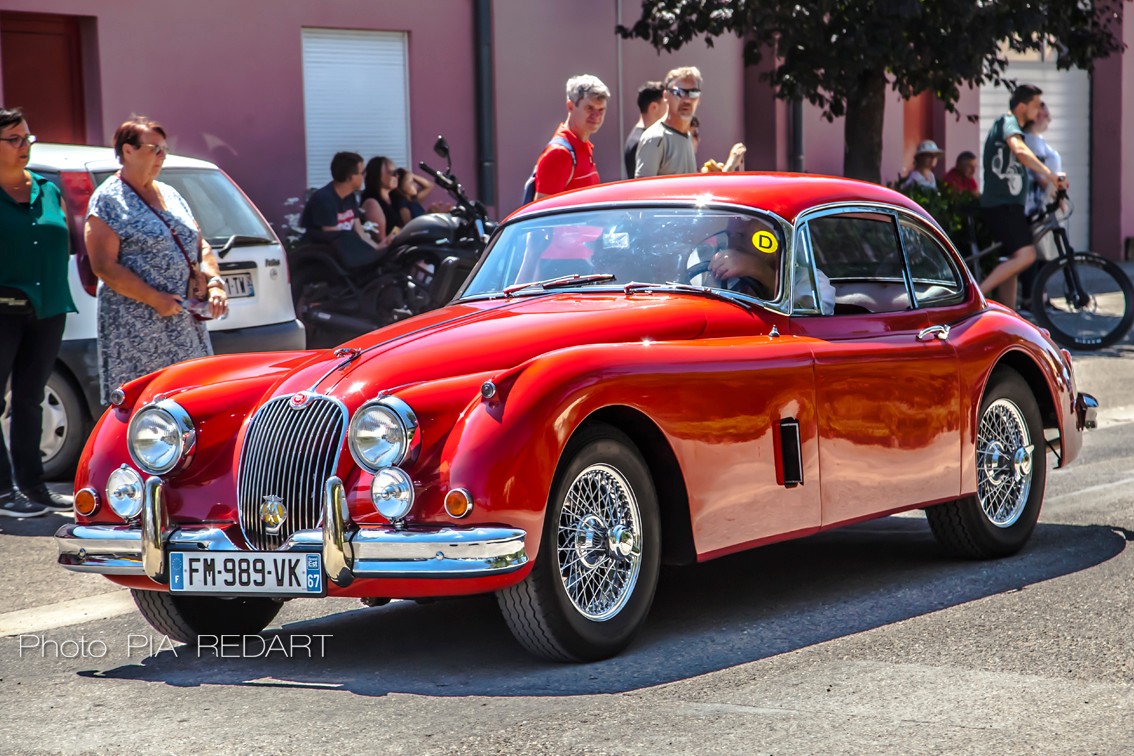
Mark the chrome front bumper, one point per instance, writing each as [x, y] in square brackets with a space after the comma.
[349, 551]
[1086, 412]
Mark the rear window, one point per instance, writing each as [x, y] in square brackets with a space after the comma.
[217, 204]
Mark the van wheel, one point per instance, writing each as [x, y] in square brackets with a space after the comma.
[183, 618]
[594, 577]
[65, 427]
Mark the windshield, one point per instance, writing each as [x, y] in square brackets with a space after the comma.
[216, 203]
[713, 248]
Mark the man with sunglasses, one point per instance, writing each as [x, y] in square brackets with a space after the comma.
[666, 147]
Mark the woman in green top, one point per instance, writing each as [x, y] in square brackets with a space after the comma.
[34, 301]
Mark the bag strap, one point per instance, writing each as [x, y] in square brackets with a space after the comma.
[193, 266]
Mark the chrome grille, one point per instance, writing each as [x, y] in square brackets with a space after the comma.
[289, 453]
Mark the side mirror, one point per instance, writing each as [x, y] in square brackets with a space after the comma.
[441, 147]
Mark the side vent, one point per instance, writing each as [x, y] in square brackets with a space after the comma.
[791, 455]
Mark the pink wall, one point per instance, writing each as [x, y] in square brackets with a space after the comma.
[226, 78]
[540, 45]
[1112, 153]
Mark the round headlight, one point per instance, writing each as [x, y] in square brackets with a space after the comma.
[124, 492]
[382, 433]
[159, 436]
[392, 493]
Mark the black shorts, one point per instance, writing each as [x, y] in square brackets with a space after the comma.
[1009, 226]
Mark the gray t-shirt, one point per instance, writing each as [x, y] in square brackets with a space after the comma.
[663, 151]
[1006, 181]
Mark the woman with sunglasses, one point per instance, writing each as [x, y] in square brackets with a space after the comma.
[145, 246]
[34, 301]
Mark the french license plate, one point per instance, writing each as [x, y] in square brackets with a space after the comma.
[247, 572]
[238, 285]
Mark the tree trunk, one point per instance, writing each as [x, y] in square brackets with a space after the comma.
[862, 132]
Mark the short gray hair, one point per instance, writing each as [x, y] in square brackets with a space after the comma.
[583, 86]
[681, 73]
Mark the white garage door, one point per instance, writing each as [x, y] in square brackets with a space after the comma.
[355, 97]
[1068, 97]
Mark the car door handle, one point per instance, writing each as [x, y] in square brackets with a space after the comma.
[936, 331]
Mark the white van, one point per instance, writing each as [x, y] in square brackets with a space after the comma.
[252, 261]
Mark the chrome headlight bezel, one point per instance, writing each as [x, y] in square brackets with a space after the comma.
[399, 415]
[124, 491]
[185, 441]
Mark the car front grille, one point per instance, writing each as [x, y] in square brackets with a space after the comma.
[290, 450]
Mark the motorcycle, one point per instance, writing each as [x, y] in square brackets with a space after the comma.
[347, 288]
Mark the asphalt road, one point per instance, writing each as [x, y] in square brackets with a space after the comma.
[865, 640]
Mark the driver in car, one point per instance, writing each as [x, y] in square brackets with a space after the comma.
[748, 258]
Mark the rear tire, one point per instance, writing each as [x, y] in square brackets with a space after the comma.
[184, 618]
[66, 424]
[1011, 466]
[1104, 319]
[594, 577]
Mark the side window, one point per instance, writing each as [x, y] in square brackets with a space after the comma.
[935, 279]
[861, 256]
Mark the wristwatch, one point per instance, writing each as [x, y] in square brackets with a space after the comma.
[215, 281]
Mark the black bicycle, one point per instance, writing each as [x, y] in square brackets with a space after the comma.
[1083, 299]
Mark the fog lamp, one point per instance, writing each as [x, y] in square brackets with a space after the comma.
[392, 493]
[124, 492]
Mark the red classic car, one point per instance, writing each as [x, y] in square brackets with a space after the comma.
[663, 370]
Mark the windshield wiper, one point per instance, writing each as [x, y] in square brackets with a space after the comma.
[560, 282]
[705, 291]
[242, 240]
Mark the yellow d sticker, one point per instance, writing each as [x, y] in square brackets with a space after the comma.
[765, 241]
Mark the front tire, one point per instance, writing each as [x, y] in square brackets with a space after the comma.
[184, 618]
[594, 578]
[1011, 465]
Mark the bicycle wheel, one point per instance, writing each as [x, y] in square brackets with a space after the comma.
[1084, 301]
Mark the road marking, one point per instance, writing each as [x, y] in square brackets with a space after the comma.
[65, 613]
[1081, 491]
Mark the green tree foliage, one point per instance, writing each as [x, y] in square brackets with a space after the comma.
[841, 55]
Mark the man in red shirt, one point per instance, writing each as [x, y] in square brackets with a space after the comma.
[557, 170]
[962, 176]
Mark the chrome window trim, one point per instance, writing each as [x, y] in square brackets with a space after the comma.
[894, 212]
[951, 254]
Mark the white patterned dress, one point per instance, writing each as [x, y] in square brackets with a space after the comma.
[133, 339]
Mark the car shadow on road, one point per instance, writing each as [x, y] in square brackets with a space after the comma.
[705, 618]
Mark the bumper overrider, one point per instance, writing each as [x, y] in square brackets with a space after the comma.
[349, 550]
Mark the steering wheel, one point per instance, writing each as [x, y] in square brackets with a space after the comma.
[749, 283]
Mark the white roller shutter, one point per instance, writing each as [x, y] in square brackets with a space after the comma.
[355, 97]
[1068, 97]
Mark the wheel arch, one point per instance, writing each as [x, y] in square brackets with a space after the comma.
[673, 499]
[1034, 376]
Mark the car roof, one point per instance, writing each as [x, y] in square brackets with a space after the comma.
[785, 194]
[77, 157]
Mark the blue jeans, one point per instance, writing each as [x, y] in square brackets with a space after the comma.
[28, 348]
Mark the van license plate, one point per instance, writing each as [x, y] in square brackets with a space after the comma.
[238, 285]
[247, 572]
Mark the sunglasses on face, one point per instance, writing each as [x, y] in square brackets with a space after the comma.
[160, 150]
[682, 93]
[20, 141]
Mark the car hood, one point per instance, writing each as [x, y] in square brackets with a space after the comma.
[487, 336]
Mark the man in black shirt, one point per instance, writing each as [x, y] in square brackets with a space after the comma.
[332, 211]
[651, 105]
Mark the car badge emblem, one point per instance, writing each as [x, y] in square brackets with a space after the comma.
[300, 400]
[273, 514]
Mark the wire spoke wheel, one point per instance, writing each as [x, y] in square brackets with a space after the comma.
[1004, 463]
[599, 546]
